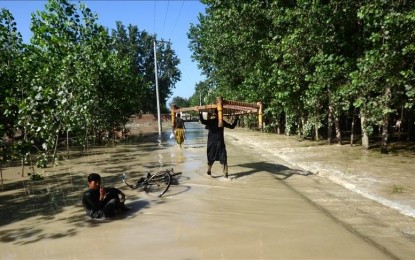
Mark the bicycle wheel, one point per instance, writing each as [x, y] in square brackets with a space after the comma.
[174, 178]
[158, 184]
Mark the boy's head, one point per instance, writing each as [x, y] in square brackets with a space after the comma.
[94, 181]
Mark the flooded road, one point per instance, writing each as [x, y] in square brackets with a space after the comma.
[253, 214]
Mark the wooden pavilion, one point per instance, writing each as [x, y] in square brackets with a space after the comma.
[224, 108]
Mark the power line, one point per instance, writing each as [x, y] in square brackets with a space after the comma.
[165, 17]
[154, 18]
[177, 19]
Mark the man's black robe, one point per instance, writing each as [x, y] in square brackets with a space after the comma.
[216, 149]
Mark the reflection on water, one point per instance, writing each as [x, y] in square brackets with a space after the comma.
[63, 185]
[196, 135]
[252, 207]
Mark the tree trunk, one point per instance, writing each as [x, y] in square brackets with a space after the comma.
[385, 123]
[67, 142]
[337, 127]
[300, 127]
[277, 127]
[385, 134]
[22, 167]
[365, 137]
[400, 123]
[1, 173]
[25, 139]
[330, 124]
[352, 129]
[316, 132]
[55, 148]
[287, 132]
[85, 145]
[410, 123]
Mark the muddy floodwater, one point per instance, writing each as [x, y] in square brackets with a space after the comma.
[277, 204]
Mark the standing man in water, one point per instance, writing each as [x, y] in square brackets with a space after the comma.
[216, 148]
[179, 130]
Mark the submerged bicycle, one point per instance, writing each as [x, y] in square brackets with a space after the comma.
[154, 184]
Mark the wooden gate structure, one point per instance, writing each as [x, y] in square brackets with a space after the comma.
[224, 108]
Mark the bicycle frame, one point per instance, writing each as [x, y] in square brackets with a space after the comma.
[153, 184]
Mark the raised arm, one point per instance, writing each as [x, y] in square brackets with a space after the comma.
[231, 126]
[202, 120]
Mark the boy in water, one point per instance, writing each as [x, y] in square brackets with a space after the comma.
[100, 202]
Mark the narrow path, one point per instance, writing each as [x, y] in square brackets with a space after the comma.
[383, 226]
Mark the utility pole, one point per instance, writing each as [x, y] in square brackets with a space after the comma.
[157, 89]
[157, 85]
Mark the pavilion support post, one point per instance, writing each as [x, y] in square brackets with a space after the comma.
[173, 117]
[219, 106]
[260, 121]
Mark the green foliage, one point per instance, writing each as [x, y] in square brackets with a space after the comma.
[382, 80]
[303, 57]
[203, 94]
[34, 176]
[397, 189]
[74, 77]
[10, 56]
[42, 161]
[180, 102]
[138, 47]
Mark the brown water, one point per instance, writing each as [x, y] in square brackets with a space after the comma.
[388, 179]
[266, 208]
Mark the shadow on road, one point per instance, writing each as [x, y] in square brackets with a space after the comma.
[280, 172]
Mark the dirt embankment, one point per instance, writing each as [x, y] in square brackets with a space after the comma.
[148, 123]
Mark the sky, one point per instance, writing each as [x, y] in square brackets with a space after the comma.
[169, 20]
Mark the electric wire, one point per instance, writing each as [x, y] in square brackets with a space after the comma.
[186, 77]
[177, 19]
[165, 17]
[154, 17]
